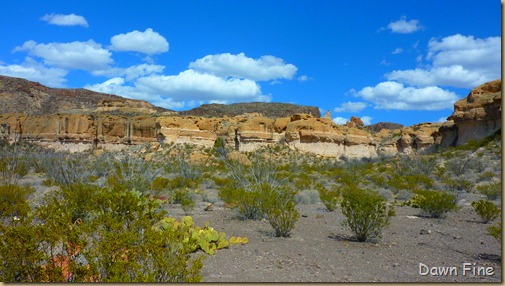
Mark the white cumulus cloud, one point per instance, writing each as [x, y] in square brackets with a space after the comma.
[177, 91]
[367, 120]
[351, 107]
[31, 70]
[394, 95]
[201, 86]
[65, 20]
[148, 42]
[87, 56]
[132, 72]
[403, 26]
[340, 120]
[457, 61]
[225, 65]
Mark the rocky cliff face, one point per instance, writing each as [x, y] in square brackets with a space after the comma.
[121, 122]
[476, 116]
[247, 132]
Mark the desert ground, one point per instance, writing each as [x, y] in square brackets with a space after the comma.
[320, 249]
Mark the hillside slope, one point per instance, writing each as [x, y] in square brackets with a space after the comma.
[32, 98]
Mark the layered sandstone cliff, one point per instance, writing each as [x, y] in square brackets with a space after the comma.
[476, 116]
[122, 122]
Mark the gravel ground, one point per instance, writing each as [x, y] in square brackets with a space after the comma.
[322, 250]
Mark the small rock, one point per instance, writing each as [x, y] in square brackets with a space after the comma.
[396, 264]
[424, 231]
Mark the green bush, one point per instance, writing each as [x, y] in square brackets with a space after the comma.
[330, 197]
[435, 204]
[366, 212]
[248, 201]
[496, 231]
[245, 182]
[13, 201]
[13, 164]
[486, 210]
[278, 204]
[491, 191]
[307, 197]
[84, 233]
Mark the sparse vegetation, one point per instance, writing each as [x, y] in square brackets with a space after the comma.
[366, 212]
[104, 217]
[486, 210]
[435, 204]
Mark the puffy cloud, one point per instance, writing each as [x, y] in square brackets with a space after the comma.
[458, 61]
[132, 72]
[226, 65]
[403, 26]
[65, 20]
[340, 120]
[31, 70]
[367, 120]
[456, 76]
[87, 56]
[148, 42]
[118, 86]
[394, 95]
[351, 107]
[191, 84]
[177, 91]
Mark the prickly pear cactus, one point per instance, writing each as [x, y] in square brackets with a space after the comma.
[207, 238]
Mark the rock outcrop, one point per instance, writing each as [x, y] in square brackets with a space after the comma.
[112, 123]
[476, 116]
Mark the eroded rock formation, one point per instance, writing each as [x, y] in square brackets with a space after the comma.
[124, 122]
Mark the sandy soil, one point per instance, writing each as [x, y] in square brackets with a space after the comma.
[322, 250]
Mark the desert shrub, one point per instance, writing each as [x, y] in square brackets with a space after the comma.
[191, 173]
[435, 204]
[496, 231]
[278, 204]
[68, 169]
[244, 184]
[307, 197]
[13, 201]
[409, 182]
[416, 165]
[457, 186]
[492, 191]
[458, 166]
[133, 172]
[21, 256]
[403, 195]
[13, 164]
[247, 201]
[115, 242]
[486, 176]
[330, 197]
[366, 212]
[385, 193]
[486, 210]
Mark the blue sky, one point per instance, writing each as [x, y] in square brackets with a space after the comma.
[398, 61]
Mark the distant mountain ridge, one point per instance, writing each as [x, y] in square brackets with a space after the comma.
[32, 98]
[267, 109]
